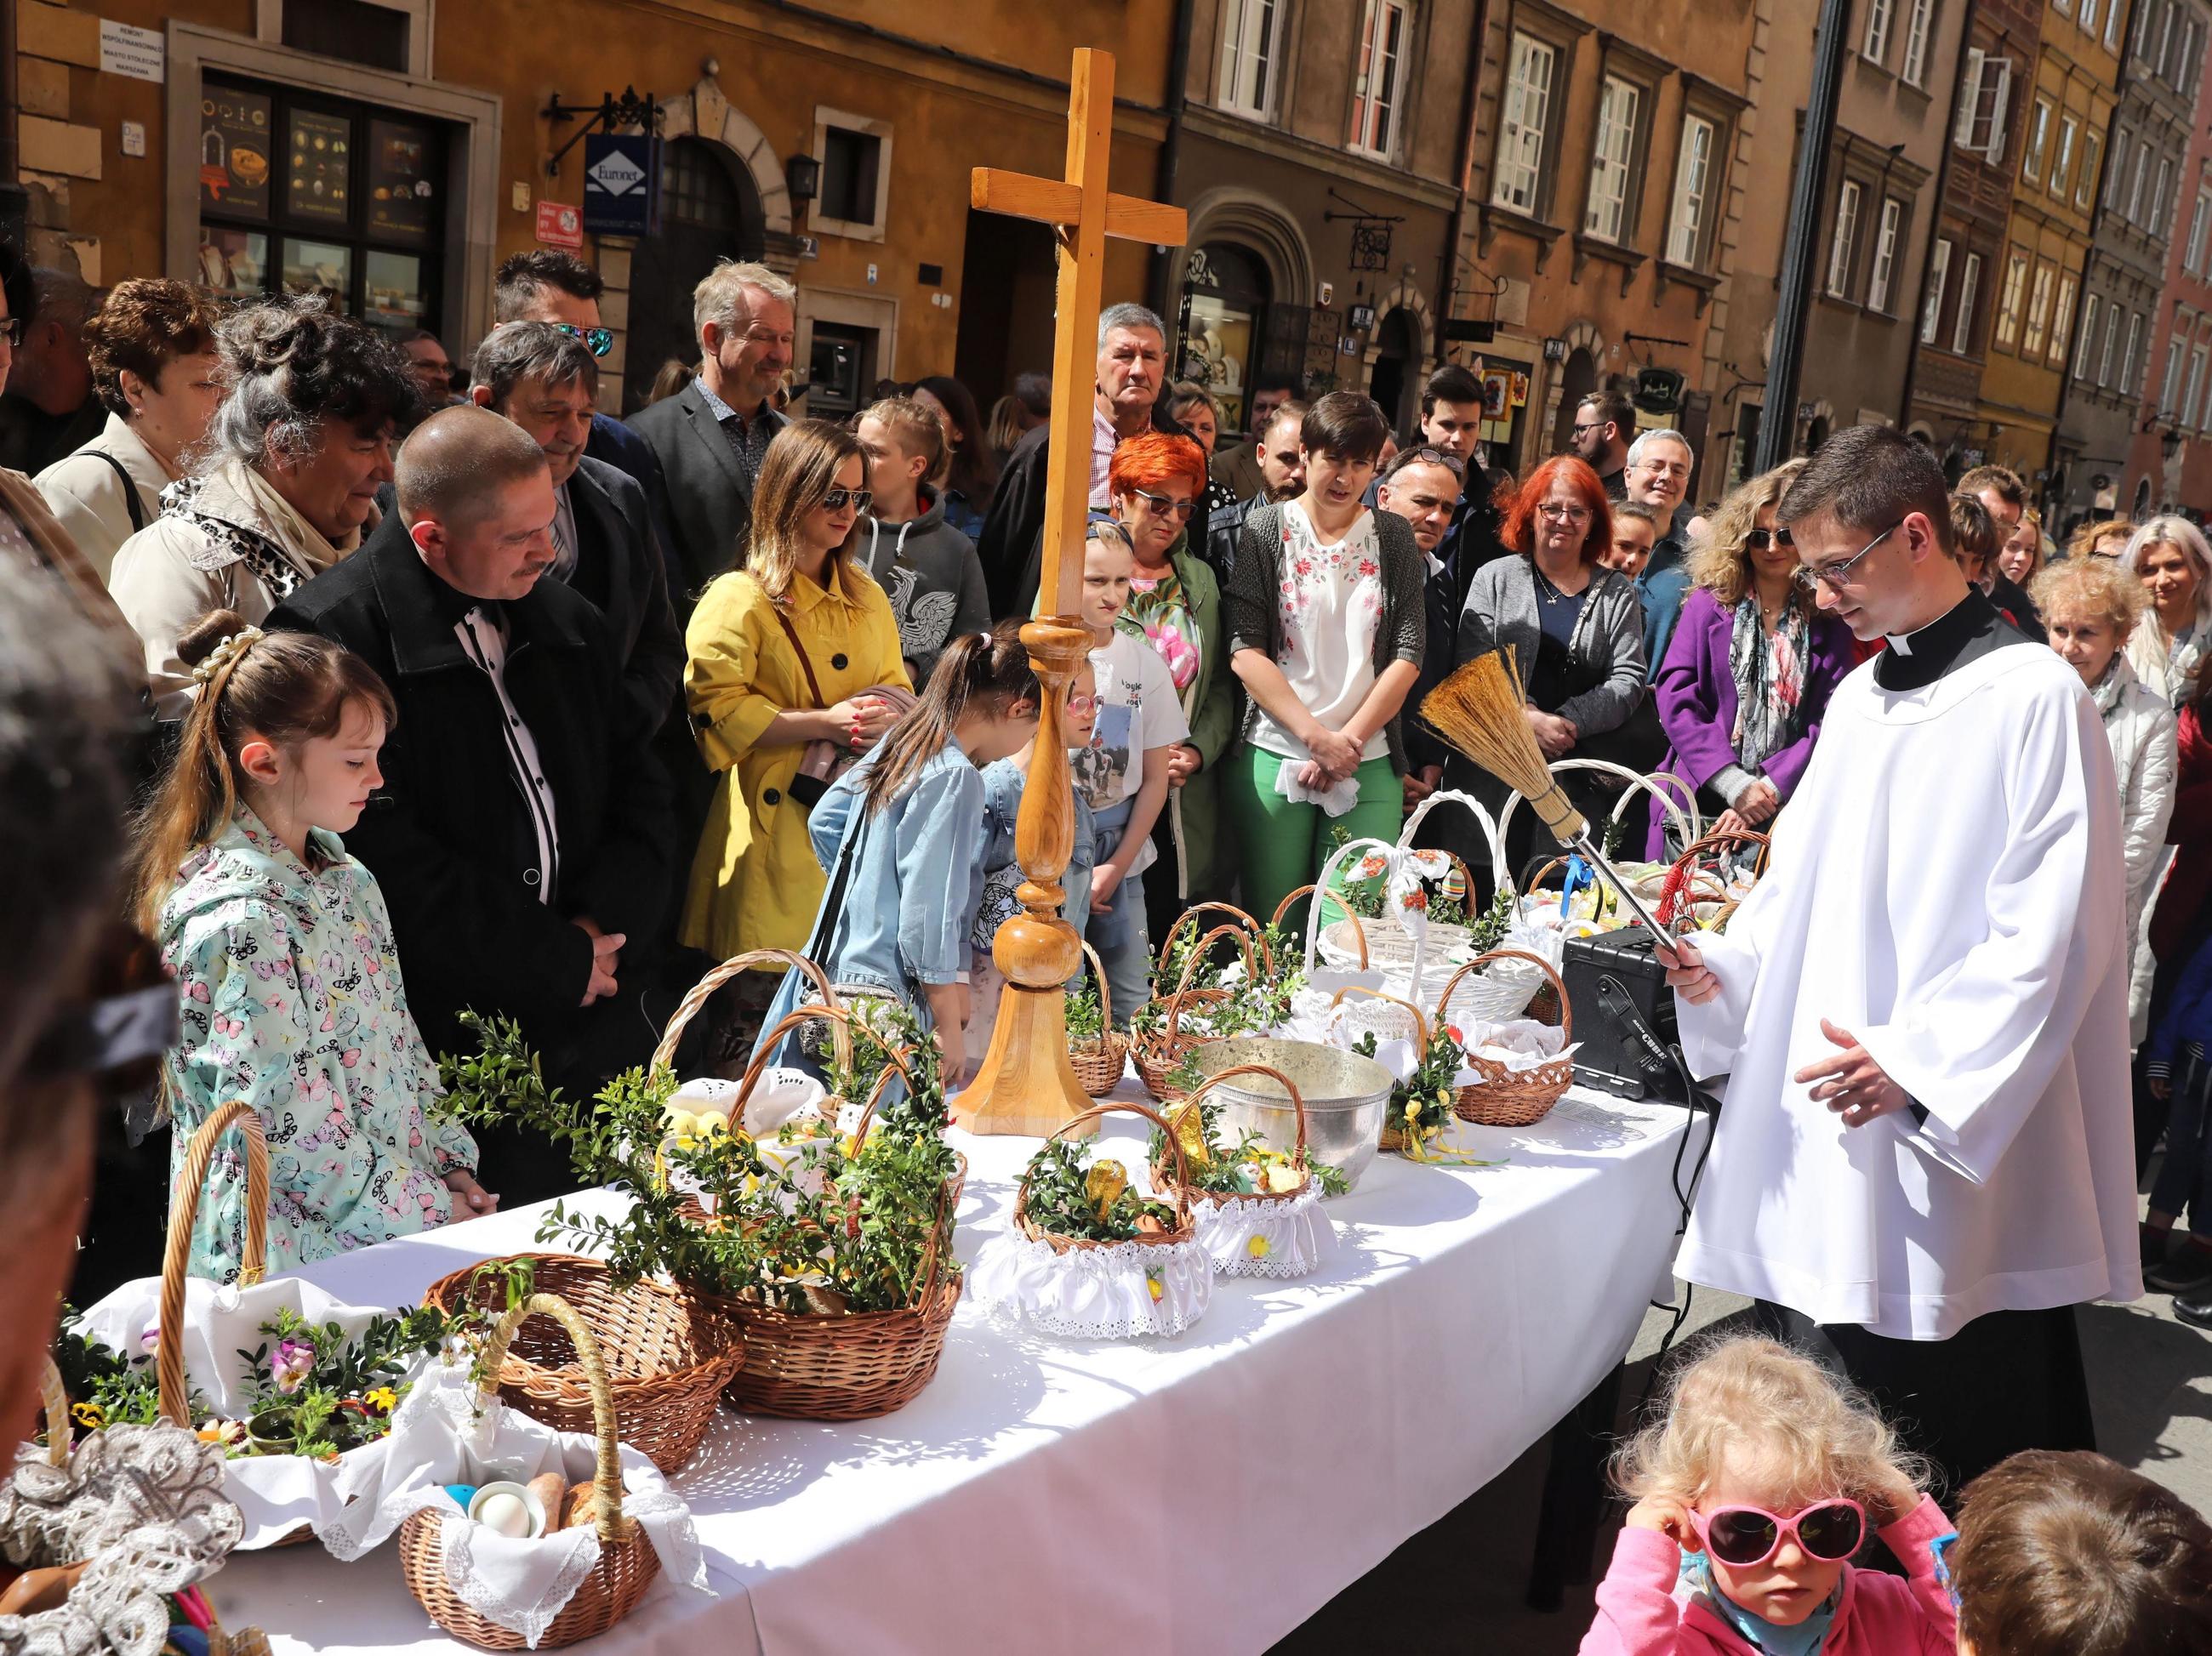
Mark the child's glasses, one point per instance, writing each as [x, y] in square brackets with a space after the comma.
[1081, 704]
[1746, 1536]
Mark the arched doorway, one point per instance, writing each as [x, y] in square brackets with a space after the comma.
[2142, 498]
[1390, 381]
[710, 210]
[1577, 380]
[1226, 301]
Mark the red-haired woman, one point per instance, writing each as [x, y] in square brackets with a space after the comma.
[1575, 628]
[1175, 606]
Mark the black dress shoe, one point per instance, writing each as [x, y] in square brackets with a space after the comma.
[2196, 1313]
[2188, 1273]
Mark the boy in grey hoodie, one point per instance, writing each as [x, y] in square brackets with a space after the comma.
[928, 568]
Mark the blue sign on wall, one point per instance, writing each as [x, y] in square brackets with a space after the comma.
[622, 178]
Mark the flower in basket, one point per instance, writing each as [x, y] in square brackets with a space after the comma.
[228, 1432]
[382, 1398]
[292, 1361]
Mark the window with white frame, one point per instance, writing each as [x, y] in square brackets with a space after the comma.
[1970, 296]
[2089, 307]
[2114, 14]
[2141, 178]
[2189, 402]
[1984, 100]
[1880, 15]
[1693, 191]
[1840, 244]
[1521, 138]
[2200, 223]
[1939, 278]
[2158, 219]
[2039, 311]
[2062, 166]
[1919, 25]
[2062, 323]
[2118, 181]
[2039, 136]
[2105, 363]
[2192, 48]
[2092, 151]
[1381, 83]
[1251, 48]
[1885, 253]
[2159, 64]
[2171, 385]
[2088, 17]
[2134, 363]
[1606, 213]
[2010, 299]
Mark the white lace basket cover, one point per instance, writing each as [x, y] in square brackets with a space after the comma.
[1289, 1236]
[438, 1438]
[1124, 1290]
[275, 1493]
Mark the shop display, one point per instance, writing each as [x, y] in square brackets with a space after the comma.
[235, 165]
[402, 194]
[317, 179]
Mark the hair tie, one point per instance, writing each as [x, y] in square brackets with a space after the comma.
[227, 653]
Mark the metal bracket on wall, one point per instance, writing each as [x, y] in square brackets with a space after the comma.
[612, 113]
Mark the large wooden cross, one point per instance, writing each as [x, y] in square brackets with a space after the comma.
[1025, 1084]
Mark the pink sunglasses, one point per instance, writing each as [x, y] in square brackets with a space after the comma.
[1746, 1536]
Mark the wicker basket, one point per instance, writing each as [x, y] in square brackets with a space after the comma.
[667, 1358]
[1176, 1189]
[1358, 929]
[1688, 882]
[1514, 1098]
[1394, 1132]
[810, 1366]
[1384, 945]
[1162, 1179]
[664, 1056]
[1159, 1054]
[1099, 1067]
[627, 1563]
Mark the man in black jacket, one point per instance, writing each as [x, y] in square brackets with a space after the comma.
[545, 381]
[522, 834]
[1131, 370]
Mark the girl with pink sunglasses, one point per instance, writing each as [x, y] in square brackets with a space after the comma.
[1754, 1491]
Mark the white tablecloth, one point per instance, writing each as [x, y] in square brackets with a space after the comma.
[1203, 1495]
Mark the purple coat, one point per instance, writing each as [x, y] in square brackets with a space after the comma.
[1696, 695]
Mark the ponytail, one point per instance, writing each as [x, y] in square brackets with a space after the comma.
[992, 667]
[283, 688]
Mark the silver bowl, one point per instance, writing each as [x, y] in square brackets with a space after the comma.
[1346, 1098]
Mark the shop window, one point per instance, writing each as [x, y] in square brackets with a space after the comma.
[854, 151]
[1225, 310]
[300, 193]
[357, 30]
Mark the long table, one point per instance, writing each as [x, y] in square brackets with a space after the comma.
[1206, 1494]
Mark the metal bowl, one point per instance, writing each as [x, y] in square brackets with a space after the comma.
[1346, 1098]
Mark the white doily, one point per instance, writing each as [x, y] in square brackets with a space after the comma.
[1265, 1239]
[276, 1493]
[779, 1095]
[1125, 1290]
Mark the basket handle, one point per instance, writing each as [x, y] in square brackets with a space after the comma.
[703, 991]
[1298, 1100]
[1189, 917]
[1420, 1020]
[1098, 1112]
[1359, 931]
[1685, 870]
[1105, 990]
[895, 1064]
[1634, 780]
[606, 1473]
[1558, 985]
[1321, 882]
[176, 1258]
[55, 1401]
[1243, 940]
[1501, 876]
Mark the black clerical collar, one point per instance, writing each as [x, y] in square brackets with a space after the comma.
[1969, 630]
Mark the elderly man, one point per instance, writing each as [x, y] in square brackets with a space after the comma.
[49, 410]
[1603, 426]
[522, 835]
[1658, 477]
[432, 368]
[1131, 369]
[1423, 487]
[1238, 468]
[548, 285]
[710, 436]
[1282, 475]
[2004, 497]
[545, 381]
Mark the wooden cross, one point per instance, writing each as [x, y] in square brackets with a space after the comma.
[1026, 1084]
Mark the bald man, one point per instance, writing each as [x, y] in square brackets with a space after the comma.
[523, 834]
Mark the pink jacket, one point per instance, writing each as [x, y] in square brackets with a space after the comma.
[1638, 1615]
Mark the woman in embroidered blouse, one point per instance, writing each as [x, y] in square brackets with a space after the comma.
[287, 485]
[2170, 556]
[1750, 669]
[1327, 628]
[784, 653]
[1175, 606]
[282, 946]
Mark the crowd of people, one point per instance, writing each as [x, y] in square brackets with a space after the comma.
[460, 696]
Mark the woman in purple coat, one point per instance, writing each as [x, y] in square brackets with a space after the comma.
[1749, 669]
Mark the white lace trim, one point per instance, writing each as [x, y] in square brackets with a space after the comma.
[1126, 1290]
[1279, 1239]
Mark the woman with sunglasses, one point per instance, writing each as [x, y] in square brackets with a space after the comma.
[794, 659]
[1749, 669]
[1175, 606]
[1753, 1488]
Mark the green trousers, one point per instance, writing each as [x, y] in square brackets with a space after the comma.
[1281, 844]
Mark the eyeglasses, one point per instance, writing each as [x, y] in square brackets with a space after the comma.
[1582, 427]
[1834, 576]
[1082, 706]
[1746, 1536]
[11, 330]
[1182, 509]
[1664, 468]
[1760, 539]
[601, 340]
[836, 499]
[1565, 514]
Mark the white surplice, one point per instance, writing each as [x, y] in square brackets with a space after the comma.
[1948, 885]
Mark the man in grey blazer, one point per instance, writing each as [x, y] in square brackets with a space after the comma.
[710, 436]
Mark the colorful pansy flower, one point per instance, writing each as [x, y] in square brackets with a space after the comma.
[291, 1364]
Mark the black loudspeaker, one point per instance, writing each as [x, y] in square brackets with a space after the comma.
[1613, 980]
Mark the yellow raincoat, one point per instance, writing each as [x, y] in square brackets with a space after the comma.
[755, 883]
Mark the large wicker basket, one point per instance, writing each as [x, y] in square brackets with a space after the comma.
[667, 1357]
[1514, 1098]
[627, 1563]
[1099, 1065]
[1177, 1189]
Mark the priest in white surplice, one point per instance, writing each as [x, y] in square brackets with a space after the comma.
[1926, 1157]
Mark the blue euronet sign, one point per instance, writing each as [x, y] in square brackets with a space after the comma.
[621, 172]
